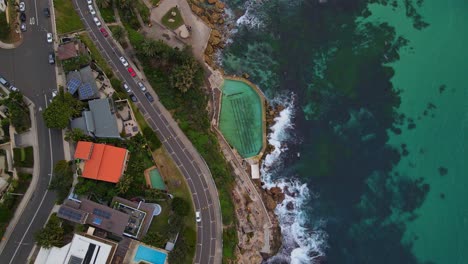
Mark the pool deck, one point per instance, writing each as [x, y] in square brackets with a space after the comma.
[132, 250]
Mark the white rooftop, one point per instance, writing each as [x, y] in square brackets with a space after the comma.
[255, 171]
[76, 251]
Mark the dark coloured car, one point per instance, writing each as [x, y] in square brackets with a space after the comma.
[46, 12]
[51, 58]
[133, 98]
[23, 16]
[150, 98]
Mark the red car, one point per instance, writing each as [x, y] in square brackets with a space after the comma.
[104, 32]
[131, 71]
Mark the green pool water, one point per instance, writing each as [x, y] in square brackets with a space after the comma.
[156, 180]
[241, 117]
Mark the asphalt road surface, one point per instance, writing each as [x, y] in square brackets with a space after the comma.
[28, 69]
[209, 235]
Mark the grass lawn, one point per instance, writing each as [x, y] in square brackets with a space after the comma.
[178, 20]
[107, 14]
[96, 55]
[66, 18]
[23, 157]
[177, 186]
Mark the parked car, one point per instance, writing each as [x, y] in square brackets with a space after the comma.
[96, 20]
[127, 88]
[124, 61]
[23, 16]
[133, 98]
[104, 32]
[90, 2]
[131, 71]
[49, 38]
[4, 82]
[51, 57]
[22, 7]
[149, 97]
[142, 86]
[46, 12]
[91, 10]
[23, 26]
[13, 88]
[54, 93]
[198, 216]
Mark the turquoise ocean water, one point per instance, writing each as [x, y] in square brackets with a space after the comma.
[377, 108]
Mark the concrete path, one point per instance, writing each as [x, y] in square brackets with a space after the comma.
[200, 31]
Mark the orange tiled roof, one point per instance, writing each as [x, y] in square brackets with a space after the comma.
[83, 150]
[106, 163]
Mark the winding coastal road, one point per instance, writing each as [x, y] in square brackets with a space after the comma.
[188, 160]
[28, 69]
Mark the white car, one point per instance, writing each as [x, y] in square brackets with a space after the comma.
[22, 6]
[124, 61]
[127, 88]
[49, 38]
[142, 86]
[90, 2]
[96, 20]
[198, 216]
[14, 89]
[91, 10]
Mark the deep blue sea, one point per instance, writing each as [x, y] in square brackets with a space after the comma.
[371, 148]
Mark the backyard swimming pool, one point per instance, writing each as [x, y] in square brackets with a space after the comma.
[150, 255]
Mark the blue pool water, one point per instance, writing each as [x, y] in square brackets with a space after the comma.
[150, 255]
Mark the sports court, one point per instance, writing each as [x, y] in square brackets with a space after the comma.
[241, 117]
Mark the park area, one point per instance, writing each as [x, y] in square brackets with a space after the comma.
[241, 120]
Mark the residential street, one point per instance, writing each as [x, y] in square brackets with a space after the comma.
[192, 166]
[27, 68]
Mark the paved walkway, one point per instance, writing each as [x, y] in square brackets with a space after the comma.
[200, 31]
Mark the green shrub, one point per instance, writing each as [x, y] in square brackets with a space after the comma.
[152, 138]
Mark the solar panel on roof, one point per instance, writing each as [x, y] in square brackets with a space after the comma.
[73, 85]
[70, 214]
[101, 213]
[86, 90]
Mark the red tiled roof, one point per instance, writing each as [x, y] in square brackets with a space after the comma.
[83, 150]
[106, 163]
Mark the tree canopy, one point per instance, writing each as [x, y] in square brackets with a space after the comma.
[18, 111]
[62, 180]
[52, 234]
[63, 107]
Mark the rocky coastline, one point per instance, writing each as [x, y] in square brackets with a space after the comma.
[213, 13]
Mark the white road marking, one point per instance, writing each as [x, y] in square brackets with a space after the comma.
[43, 197]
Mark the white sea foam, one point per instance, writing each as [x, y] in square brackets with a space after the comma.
[250, 18]
[300, 244]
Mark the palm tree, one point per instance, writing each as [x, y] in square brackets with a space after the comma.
[118, 33]
[103, 3]
[150, 48]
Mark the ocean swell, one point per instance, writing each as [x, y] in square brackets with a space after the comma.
[300, 244]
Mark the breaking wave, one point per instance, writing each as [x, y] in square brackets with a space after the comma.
[300, 243]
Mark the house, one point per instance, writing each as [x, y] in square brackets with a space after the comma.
[83, 82]
[70, 50]
[94, 214]
[82, 249]
[101, 162]
[99, 121]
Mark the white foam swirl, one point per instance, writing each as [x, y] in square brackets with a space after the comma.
[300, 244]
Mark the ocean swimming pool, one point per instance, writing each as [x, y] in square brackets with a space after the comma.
[149, 255]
